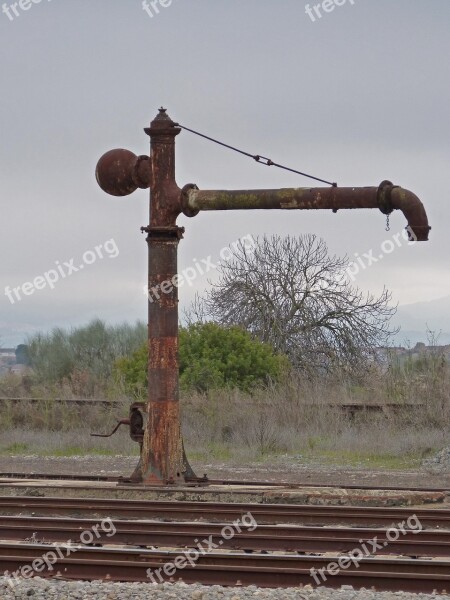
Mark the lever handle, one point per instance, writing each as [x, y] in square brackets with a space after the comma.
[105, 435]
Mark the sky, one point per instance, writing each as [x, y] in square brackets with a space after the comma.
[357, 95]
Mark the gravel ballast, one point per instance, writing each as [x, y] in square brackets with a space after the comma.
[290, 468]
[440, 463]
[42, 589]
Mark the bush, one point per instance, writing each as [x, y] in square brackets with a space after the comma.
[212, 356]
[92, 350]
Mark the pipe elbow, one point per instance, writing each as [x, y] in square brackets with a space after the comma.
[396, 198]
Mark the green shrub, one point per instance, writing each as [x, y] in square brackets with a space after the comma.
[212, 356]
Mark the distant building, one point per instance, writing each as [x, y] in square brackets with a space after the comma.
[7, 359]
[19, 369]
[386, 355]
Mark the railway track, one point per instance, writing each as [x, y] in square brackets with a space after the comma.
[58, 477]
[277, 551]
[233, 568]
[350, 408]
[224, 511]
[120, 480]
[287, 538]
[69, 401]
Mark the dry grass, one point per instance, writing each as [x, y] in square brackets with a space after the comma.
[77, 442]
[294, 418]
[59, 416]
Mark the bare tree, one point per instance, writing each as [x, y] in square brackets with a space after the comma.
[291, 293]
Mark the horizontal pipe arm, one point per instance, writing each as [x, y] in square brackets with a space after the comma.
[287, 198]
[385, 197]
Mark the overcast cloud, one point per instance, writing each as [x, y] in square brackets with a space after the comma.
[360, 95]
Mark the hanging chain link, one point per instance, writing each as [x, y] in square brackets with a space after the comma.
[388, 228]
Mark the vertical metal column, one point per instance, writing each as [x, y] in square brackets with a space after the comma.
[163, 458]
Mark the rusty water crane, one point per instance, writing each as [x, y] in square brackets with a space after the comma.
[156, 426]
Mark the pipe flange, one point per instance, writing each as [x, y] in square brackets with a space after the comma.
[142, 172]
[384, 196]
[188, 212]
[162, 232]
[418, 233]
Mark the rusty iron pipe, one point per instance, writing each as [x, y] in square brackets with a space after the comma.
[414, 212]
[163, 459]
[386, 198]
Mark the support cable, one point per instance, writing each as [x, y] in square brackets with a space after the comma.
[263, 160]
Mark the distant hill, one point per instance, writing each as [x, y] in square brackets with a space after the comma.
[415, 319]
[412, 318]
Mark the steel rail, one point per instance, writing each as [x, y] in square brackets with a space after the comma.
[225, 511]
[236, 482]
[58, 477]
[76, 401]
[230, 568]
[345, 406]
[263, 538]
